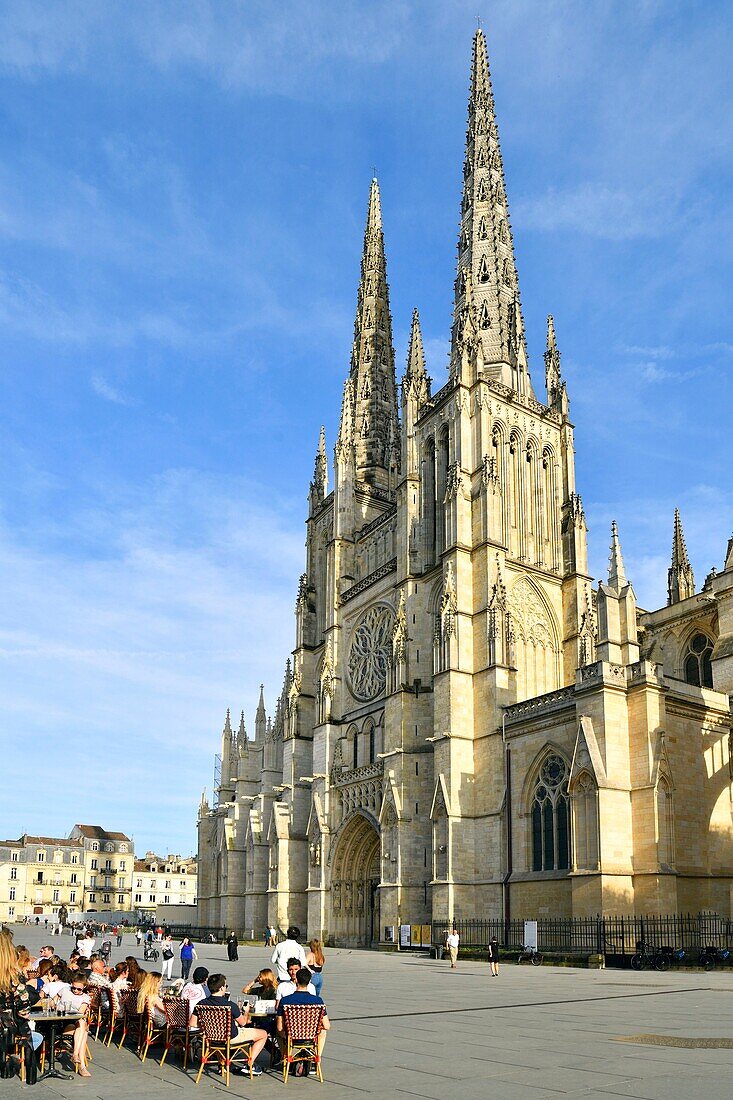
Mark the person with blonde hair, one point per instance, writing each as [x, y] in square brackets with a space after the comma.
[263, 986]
[16, 998]
[315, 961]
[148, 997]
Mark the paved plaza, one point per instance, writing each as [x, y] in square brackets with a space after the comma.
[404, 1026]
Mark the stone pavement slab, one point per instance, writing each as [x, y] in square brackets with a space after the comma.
[404, 1026]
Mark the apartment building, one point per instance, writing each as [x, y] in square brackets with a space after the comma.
[164, 880]
[91, 869]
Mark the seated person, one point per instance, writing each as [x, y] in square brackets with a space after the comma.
[76, 999]
[44, 953]
[285, 989]
[197, 989]
[239, 1030]
[55, 981]
[118, 977]
[264, 986]
[98, 977]
[301, 996]
[148, 997]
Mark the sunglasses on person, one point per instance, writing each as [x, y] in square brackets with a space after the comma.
[77, 988]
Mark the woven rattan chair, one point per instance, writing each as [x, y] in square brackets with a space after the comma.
[94, 1015]
[178, 1033]
[131, 1020]
[303, 1025]
[216, 1048]
[150, 1032]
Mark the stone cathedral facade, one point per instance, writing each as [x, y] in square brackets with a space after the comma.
[469, 725]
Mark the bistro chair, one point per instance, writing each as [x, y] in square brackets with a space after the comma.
[178, 1032]
[216, 1046]
[131, 1019]
[302, 1028]
[150, 1032]
[108, 1016]
[94, 1015]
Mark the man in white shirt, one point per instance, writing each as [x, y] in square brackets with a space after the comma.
[290, 985]
[288, 949]
[85, 946]
[451, 942]
[45, 953]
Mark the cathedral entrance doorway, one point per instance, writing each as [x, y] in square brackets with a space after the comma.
[355, 882]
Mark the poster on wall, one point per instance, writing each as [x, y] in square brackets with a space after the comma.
[404, 935]
[530, 934]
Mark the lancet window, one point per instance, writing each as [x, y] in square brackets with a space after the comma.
[550, 816]
[698, 667]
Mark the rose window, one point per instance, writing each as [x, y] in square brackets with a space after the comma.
[370, 653]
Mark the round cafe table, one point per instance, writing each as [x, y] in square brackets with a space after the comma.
[53, 1019]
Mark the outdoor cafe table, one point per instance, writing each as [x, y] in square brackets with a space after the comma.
[53, 1018]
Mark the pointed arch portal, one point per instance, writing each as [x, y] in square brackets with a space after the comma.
[354, 884]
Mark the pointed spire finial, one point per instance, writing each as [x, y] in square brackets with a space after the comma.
[680, 578]
[319, 484]
[242, 733]
[228, 723]
[616, 574]
[416, 382]
[553, 378]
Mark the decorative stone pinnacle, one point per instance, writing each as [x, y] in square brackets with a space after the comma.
[616, 574]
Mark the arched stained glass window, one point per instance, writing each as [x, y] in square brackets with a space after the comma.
[698, 669]
[550, 817]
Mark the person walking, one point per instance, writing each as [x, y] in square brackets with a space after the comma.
[232, 947]
[188, 954]
[288, 949]
[452, 941]
[139, 936]
[494, 956]
[119, 935]
[167, 955]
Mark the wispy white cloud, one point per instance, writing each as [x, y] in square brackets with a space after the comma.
[105, 389]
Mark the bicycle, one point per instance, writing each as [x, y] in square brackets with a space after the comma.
[651, 957]
[530, 954]
[710, 957]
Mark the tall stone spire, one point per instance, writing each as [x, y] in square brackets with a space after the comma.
[680, 578]
[372, 375]
[553, 378]
[487, 308]
[261, 717]
[616, 574]
[242, 738]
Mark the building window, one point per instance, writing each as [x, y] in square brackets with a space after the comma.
[14, 857]
[12, 893]
[167, 884]
[181, 885]
[94, 846]
[138, 897]
[95, 864]
[121, 883]
[58, 857]
[106, 899]
[120, 899]
[72, 896]
[166, 899]
[123, 847]
[11, 911]
[40, 857]
[550, 820]
[74, 878]
[56, 896]
[74, 857]
[13, 872]
[123, 864]
[109, 847]
[108, 864]
[151, 897]
[92, 897]
[698, 667]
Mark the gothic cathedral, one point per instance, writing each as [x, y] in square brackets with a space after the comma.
[469, 726]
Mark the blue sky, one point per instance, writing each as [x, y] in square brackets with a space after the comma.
[182, 194]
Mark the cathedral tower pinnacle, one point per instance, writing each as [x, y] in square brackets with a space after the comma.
[373, 391]
[487, 319]
[319, 484]
[680, 578]
[616, 573]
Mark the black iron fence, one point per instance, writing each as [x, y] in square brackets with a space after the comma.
[608, 936]
[198, 935]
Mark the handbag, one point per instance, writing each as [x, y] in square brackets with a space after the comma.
[167, 953]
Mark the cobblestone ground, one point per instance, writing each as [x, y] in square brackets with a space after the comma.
[404, 1026]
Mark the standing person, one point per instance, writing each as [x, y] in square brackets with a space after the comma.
[159, 934]
[85, 944]
[232, 947]
[288, 949]
[451, 942]
[118, 932]
[188, 954]
[167, 955]
[494, 956]
[267, 937]
[314, 960]
[139, 935]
